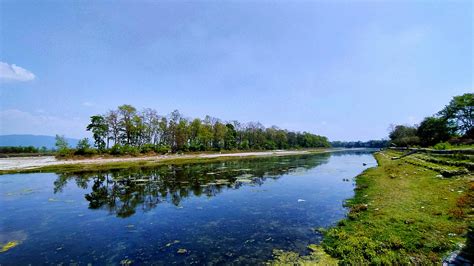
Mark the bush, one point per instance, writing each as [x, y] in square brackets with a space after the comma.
[116, 150]
[84, 148]
[65, 152]
[442, 146]
[147, 148]
[162, 149]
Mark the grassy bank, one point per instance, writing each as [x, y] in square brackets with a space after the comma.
[401, 213]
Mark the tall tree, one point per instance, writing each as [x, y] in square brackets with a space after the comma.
[460, 112]
[127, 115]
[219, 135]
[61, 142]
[100, 129]
[230, 137]
[113, 122]
[433, 130]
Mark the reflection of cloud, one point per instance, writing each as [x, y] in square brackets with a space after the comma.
[18, 236]
[14, 73]
[14, 121]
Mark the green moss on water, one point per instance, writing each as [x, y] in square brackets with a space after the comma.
[317, 256]
[9, 245]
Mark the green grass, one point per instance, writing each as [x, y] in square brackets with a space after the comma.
[401, 214]
[412, 216]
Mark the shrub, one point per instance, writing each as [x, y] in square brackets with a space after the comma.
[147, 148]
[162, 149]
[442, 146]
[116, 150]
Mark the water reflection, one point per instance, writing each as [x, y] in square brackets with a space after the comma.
[121, 192]
[233, 212]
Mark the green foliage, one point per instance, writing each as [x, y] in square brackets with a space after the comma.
[84, 148]
[126, 149]
[442, 146]
[61, 143]
[433, 130]
[360, 144]
[404, 136]
[83, 144]
[62, 147]
[456, 118]
[100, 129]
[21, 149]
[460, 112]
[149, 132]
[230, 139]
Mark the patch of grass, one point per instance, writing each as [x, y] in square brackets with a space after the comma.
[445, 170]
[317, 257]
[401, 214]
[411, 217]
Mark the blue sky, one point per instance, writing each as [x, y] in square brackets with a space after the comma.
[344, 69]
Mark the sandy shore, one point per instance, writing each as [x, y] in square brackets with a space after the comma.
[21, 163]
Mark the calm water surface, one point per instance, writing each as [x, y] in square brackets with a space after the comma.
[214, 213]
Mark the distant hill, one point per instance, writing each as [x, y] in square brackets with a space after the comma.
[32, 140]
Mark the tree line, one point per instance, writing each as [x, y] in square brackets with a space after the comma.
[126, 130]
[453, 124]
[360, 144]
[22, 149]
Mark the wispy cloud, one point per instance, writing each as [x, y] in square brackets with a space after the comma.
[88, 104]
[12, 72]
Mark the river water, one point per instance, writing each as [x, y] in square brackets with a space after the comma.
[214, 213]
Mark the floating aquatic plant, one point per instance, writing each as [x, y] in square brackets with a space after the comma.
[9, 245]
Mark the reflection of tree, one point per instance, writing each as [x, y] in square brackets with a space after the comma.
[121, 192]
[362, 151]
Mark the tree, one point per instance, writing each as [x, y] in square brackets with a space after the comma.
[83, 146]
[403, 136]
[182, 135]
[61, 143]
[433, 130]
[62, 146]
[113, 124]
[127, 113]
[460, 112]
[194, 129]
[100, 130]
[151, 122]
[230, 137]
[219, 135]
[146, 131]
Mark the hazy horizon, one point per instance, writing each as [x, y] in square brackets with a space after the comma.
[345, 70]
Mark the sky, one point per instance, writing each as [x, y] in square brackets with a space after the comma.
[343, 69]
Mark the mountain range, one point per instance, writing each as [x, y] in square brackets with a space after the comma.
[32, 140]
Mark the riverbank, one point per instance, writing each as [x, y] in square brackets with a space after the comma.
[51, 164]
[401, 213]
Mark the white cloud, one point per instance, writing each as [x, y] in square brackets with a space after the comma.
[14, 73]
[88, 104]
[14, 121]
